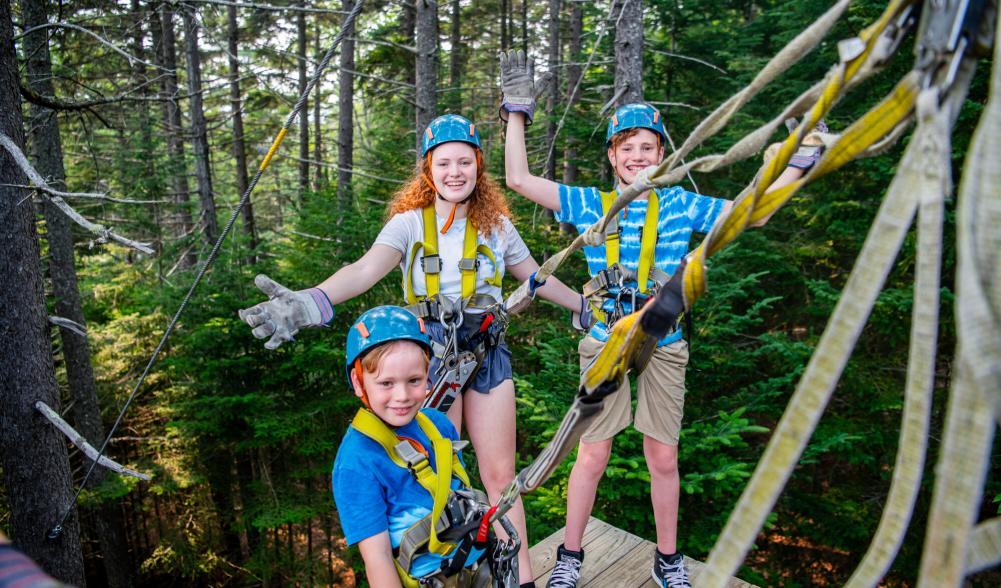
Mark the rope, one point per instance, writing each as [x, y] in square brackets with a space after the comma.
[57, 530]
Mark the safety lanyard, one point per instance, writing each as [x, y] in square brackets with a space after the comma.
[648, 242]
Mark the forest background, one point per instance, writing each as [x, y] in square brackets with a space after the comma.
[163, 106]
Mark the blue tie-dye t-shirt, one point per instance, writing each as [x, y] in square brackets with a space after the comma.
[372, 494]
[681, 213]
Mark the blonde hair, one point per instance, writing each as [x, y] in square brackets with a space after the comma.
[487, 204]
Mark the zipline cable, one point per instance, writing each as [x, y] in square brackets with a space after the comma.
[57, 530]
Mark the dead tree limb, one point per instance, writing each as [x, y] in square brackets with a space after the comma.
[104, 234]
[88, 450]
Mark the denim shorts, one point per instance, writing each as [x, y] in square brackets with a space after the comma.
[496, 364]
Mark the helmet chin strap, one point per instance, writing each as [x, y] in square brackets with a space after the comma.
[361, 384]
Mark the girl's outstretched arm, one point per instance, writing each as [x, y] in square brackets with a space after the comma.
[358, 277]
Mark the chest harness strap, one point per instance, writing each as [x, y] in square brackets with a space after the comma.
[450, 508]
[431, 260]
[460, 357]
[615, 275]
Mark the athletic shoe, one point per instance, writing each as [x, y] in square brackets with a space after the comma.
[566, 573]
[670, 572]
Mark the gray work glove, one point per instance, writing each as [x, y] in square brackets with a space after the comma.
[286, 312]
[517, 84]
[810, 149]
[583, 320]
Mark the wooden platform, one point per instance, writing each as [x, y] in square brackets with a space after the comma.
[614, 558]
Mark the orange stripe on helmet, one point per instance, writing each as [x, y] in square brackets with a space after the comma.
[362, 329]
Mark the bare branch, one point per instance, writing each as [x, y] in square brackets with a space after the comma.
[90, 195]
[132, 59]
[78, 440]
[104, 234]
[56, 104]
[267, 7]
[686, 57]
[408, 48]
[69, 325]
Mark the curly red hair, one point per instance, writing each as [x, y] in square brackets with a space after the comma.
[487, 203]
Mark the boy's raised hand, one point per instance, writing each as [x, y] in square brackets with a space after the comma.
[517, 84]
[285, 312]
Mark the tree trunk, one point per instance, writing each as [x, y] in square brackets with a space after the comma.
[505, 41]
[165, 40]
[408, 24]
[36, 467]
[426, 31]
[554, 86]
[300, 27]
[455, 58]
[345, 114]
[524, 26]
[319, 173]
[239, 147]
[573, 90]
[47, 153]
[628, 51]
[199, 129]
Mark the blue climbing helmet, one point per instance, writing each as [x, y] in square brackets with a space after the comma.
[636, 116]
[449, 127]
[379, 325]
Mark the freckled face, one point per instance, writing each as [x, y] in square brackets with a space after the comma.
[453, 169]
[396, 390]
[634, 154]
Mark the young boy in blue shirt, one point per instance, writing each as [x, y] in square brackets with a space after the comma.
[389, 461]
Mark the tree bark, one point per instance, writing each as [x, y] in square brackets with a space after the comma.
[628, 51]
[36, 467]
[47, 153]
[524, 26]
[426, 31]
[455, 58]
[345, 114]
[573, 90]
[319, 173]
[166, 42]
[554, 86]
[239, 146]
[505, 28]
[199, 129]
[300, 27]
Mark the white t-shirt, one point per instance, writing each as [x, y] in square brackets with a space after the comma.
[407, 228]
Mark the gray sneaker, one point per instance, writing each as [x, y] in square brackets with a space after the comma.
[670, 572]
[566, 573]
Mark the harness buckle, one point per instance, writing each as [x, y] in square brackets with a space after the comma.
[468, 264]
[431, 264]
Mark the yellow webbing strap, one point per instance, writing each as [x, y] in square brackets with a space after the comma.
[438, 484]
[430, 247]
[468, 257]
[611, 239]
[648, 245]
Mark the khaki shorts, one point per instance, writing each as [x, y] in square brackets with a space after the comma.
[660, 392]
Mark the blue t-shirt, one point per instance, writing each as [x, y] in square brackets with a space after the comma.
[681, 213]
[373, 494]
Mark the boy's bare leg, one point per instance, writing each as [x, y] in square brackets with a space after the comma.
[490, 423]
[665, 490]
[592, 458]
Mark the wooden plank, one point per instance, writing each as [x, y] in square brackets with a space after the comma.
[613, 558]
[543, 554]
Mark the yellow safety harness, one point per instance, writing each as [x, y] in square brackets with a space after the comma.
[431, 260]
[437, 481]
[597, 290]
